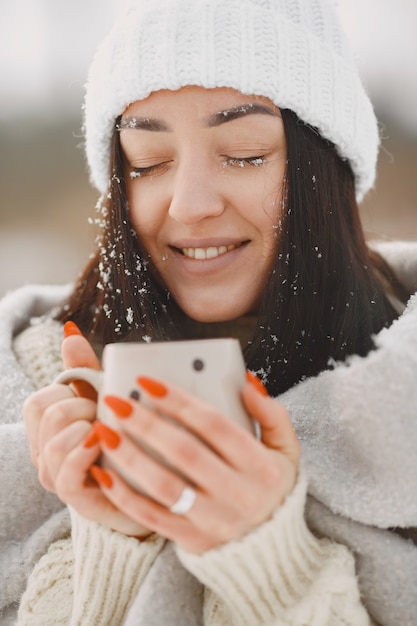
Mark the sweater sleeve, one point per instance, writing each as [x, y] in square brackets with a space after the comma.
[88, 579]
[108, 570]
[279, 574]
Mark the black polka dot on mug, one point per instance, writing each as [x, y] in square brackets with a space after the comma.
[135, 395]
[198, 365]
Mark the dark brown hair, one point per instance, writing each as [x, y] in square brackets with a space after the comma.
[323, 300]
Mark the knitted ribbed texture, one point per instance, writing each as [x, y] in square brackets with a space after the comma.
[293, 52]
[109, 569]
[280, 574]
[50, 584]
[38, 350]
[90, 580]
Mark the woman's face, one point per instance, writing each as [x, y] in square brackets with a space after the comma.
[204, 172]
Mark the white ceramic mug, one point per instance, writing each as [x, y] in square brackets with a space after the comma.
[212, 369]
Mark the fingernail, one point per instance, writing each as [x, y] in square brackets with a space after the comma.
[107, 435]
[254, 380]
[91, 439]
[70, 328]
[153, 387]
[120, 407]
[101, 476]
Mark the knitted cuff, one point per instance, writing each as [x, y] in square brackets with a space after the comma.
[264, 575]
[109, 568]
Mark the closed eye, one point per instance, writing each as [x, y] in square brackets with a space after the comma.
[141, 172]
[255, 161]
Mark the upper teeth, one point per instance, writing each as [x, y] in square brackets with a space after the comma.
[206, 253]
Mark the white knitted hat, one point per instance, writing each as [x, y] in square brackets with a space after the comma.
[291, 51]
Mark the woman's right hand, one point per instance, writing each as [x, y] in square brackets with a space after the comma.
[58, 421]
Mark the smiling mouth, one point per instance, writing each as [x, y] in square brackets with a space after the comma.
[201, 254]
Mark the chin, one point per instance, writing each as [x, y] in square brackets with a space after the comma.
[211, 319]
[207, 306]
[210, 314]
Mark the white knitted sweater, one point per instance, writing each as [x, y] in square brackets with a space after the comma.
[279, 574]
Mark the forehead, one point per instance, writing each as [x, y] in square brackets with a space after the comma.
[198, 100]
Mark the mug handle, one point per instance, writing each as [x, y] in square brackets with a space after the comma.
[86, 374]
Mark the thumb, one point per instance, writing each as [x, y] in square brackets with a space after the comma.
[277, 431]
[77, 352]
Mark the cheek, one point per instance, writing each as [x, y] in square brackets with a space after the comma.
[270, 224]
[146, 211]
[268, 217]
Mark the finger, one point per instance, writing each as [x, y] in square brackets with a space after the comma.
[184, 455]
[33, 410]
[55, 450]
[182, 529]
[77, 352]
[151, 514]
[71, 456]
[230, 440]
[61, 414]
[229, 498]
[229, 502]
[139, 467]
[277, 431]
[227, 438]
[59, 446]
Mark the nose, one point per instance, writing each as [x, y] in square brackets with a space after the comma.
[196, 194]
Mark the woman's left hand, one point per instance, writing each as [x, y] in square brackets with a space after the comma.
[238, 481]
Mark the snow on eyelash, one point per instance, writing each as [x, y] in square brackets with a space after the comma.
[144, 171]
[255, 162]
[135, 174]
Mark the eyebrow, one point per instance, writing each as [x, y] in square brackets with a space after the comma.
[228, 115]
[142, 123]
[240, 111]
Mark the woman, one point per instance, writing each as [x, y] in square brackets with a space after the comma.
[230, 142]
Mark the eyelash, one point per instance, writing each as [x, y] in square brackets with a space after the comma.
[256, 161]
[140, 172]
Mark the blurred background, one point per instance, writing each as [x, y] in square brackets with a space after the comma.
[46, 200]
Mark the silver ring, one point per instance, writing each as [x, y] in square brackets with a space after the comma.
[185, 502]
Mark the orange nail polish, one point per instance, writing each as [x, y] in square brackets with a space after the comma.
[254, 380]
[70, 328]
[107, 435]
[101, 476]
[91, 439]
[120, 407]
[153, 387]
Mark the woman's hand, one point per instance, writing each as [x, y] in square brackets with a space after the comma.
[238, 481]
[63, 444]
[52, 408]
